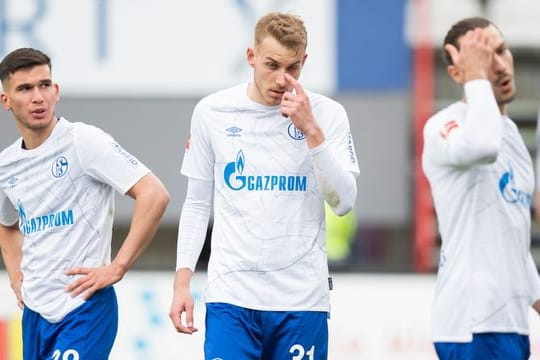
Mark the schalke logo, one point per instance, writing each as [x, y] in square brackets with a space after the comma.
[295, 133]
[60, 167]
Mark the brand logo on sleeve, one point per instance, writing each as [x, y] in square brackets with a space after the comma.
[350, 148]
[126, 155]
[447, 127]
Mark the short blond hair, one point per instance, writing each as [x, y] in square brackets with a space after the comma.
[287, 29]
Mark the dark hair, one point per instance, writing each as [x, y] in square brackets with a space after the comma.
[23, 58]
[459, 29]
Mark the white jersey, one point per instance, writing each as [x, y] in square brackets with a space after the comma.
[61, 193]
[486, 279]
[268, 240]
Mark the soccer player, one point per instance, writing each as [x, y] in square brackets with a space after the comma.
[482, 182]
[57, 187]
[268, 153]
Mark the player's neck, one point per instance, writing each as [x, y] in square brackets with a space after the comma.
[34, 137]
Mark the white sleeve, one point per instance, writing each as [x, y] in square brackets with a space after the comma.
[198, 162]
[8, 214]
[337, 185]
[534, 280]
[105, 160]
[193, 223]
[475, 140]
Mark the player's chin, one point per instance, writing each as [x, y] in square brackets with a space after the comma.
[506, 98]
[273, 101]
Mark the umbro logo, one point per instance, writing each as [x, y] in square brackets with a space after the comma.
[12, 182]
[233, 131]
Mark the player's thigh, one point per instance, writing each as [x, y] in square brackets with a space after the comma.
[89, 331]
[493, 346]
[295, 335]
[31, 325]
[232, 332]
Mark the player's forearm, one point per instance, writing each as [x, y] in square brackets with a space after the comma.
[534, 282]
[182, 279]
[314, 135]
[11, 241]
[537, 205]
[483, 125]
[150, 205]
[337, 185]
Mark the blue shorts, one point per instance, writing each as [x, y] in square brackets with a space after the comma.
[86, 333]
[492, 346]
[237, 333]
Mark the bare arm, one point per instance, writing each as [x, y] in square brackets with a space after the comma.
[537, 206]
[11, 240]
[151, 200]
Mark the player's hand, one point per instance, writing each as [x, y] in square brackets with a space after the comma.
[296, 106]
[93, 279]
[182, 303]
[536, 306]
[474, 57]
[18, 293]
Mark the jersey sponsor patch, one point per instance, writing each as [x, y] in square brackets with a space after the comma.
[447, 127]
[235, 179]
[126, 155]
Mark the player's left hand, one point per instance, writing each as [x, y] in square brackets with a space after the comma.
[93, 279]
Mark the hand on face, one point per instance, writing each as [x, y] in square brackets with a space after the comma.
[296, 106]
[474, 58]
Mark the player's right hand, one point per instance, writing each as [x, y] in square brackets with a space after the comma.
[18, 293]
[474, 57]
[182, 303]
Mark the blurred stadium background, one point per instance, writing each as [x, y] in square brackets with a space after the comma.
[136, 69]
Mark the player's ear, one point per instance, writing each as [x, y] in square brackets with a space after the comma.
[5, 101]
[454, 73]
[57, 90]
[250, 55]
